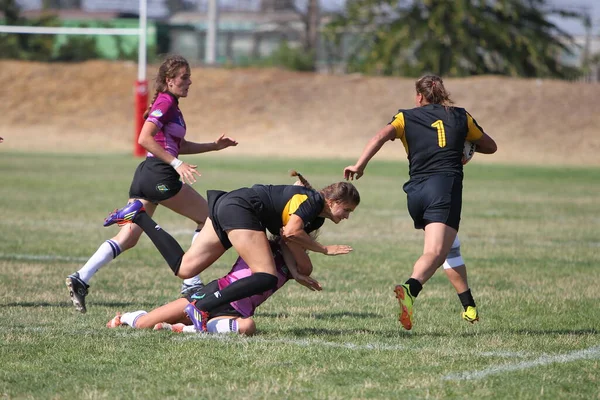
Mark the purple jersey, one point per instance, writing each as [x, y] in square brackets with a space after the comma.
[165, 114]
[241, 270]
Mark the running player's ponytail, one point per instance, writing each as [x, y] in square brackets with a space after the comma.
[168, 69]
[301, 178]
[432, 88]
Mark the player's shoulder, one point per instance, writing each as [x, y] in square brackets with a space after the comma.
[403, 111]
[300, 189]
[165, 101]
[312, 194]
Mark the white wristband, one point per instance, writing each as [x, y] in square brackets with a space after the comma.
[176, 163]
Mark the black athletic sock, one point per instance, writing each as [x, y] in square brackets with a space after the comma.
[414, 286]
[245, 287]
[466, 299]
[165, 243]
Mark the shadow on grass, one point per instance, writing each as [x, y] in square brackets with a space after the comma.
[147, 306]
[312, 333]
[335, 315]
[589, 331]
[524, 332]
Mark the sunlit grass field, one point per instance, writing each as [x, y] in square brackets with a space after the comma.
[530, 236]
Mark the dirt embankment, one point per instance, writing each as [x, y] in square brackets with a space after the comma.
[88, 107]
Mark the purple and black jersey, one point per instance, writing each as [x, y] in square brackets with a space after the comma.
[241, 270]
[167, 116]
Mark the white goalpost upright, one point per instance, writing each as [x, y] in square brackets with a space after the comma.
[141, 84]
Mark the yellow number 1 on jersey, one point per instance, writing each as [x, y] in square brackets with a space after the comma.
[439, 125]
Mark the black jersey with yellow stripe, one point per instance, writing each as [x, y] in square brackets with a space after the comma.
[434, 137]
[281, 201]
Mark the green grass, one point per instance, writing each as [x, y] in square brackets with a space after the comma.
[530, 238]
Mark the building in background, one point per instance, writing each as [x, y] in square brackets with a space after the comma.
[247, 29]
[251, 30]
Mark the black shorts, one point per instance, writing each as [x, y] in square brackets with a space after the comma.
[435, 198]
[239, 209]
[155, 181]
[226, 310]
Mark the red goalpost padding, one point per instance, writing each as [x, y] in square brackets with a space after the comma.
[141, 105]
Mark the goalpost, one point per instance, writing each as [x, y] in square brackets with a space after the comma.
[141, 84]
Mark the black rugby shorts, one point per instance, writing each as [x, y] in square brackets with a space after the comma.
[435, 198]
[238, 209]
[155, 181]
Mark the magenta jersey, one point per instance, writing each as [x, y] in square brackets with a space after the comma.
[165, 114]
[241, 270]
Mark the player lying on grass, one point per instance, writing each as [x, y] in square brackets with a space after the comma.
[233, 317]
[241, 219]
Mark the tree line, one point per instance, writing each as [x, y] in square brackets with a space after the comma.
[400, 38]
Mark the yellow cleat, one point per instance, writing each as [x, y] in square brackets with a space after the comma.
[406, 305]
[470, 315]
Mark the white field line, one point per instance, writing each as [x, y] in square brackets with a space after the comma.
[585, 354]
[37, 257]
[48, 257]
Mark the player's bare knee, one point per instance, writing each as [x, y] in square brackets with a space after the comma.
[246, 326]
[437, 257]
[183, 274]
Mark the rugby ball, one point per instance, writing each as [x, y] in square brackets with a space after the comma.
[468, 152]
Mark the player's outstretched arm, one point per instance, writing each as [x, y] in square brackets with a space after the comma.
[373, 146]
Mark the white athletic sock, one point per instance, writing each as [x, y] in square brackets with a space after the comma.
[194, 281]
[189, 329]
[222, 325]
[107, 252]
[129, 318]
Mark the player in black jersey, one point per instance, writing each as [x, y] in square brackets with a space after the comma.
[433, 135]
[240, 219]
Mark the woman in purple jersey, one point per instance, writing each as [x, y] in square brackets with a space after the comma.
[161, 178]
[233, 317]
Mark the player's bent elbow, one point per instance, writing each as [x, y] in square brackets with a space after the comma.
[491, 149]
[304, 268]
[486, 145]
[289, 234]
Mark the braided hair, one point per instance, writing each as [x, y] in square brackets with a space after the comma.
[302, 179]
[344, 192]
